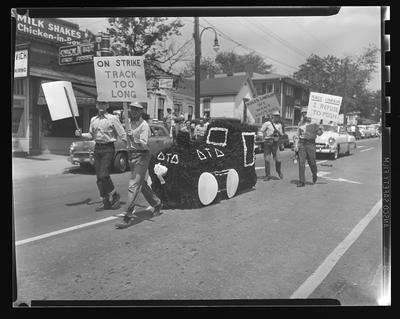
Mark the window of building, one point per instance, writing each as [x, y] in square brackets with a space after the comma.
[206, 105]
[260, 88]
[289, 90]
[289, 112]
[304, 96]
[160, 109]
[269, 88]
[19, 108]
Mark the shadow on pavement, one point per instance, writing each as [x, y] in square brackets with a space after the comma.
[138, 217]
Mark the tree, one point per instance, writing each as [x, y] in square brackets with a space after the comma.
[151, 37]
[207, 63]
[347, 77]
[231, 61]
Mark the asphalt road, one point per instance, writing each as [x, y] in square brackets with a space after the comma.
[271, 242]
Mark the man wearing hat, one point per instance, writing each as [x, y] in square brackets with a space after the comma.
[139, 158]
[104, 129]
[305, 146]
[272, 131]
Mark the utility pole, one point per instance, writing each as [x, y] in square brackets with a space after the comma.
[197, 55]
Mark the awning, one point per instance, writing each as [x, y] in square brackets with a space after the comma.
[84, 95]
[61, 76]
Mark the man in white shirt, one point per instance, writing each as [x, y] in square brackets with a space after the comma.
[272, 131]
[139, 159]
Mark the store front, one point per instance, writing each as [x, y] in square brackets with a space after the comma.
[37, 62]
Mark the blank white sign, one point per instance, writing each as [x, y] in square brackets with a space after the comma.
[57, 100]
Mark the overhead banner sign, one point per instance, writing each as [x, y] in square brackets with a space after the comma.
[165, 83]
[324, 107]
[21, 64]
[120, 78]
[262, 105]
[57, 101]
[52, 30]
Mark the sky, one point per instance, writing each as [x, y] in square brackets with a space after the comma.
[284, 42]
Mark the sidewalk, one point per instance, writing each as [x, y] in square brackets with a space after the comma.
[40, 165]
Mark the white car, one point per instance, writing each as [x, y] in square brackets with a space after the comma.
[335, 141]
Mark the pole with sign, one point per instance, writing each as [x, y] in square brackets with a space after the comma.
[70, 107]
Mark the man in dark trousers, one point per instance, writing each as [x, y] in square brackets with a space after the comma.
[305, 146]
[104, 129]
[139, 159]
[272, 131]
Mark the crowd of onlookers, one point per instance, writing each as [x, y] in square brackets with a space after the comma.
[176, 122]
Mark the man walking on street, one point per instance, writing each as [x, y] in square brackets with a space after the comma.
[104, 129]
[305, 146]
[139, 158]
[272, 132]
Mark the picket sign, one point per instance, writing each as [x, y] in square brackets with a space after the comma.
[324, 107]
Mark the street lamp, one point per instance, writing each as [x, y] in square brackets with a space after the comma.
[197, 58]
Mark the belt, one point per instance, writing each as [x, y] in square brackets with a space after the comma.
[310, 140]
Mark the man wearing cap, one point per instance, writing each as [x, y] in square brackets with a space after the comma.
[305, 146]
[104, 129]
[139, 158]
[272, 131]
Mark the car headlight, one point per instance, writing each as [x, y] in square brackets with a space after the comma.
[72, 147]
[331, 141]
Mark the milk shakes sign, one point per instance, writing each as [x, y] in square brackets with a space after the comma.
[324, 107]
[53, 30]
[120, 78]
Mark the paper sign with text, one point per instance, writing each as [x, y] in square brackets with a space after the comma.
[324, 107]
[262, 105]
[165, 83]
[120, 78]
[57, 101]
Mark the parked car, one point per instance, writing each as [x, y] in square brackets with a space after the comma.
[365, 133]
[372, 130]
[81, 153]
[291, 131]
[355, 131]
[335, 141]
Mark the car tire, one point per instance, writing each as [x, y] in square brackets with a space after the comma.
[120, 163]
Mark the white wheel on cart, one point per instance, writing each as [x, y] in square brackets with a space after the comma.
[232, 183]
[207, 188]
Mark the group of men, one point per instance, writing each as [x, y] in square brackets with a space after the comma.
[304, 145]
[104, 129]
[176, 123]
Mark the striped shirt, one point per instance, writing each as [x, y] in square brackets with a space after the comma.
[105, 128]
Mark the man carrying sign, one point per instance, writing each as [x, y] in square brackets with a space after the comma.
[139, 159]
[305, 146]
[104, 129]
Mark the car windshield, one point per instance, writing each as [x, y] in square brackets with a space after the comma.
[329, 128]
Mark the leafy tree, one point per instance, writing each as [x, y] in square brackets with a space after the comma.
[151, 37]
[207, 63]
[230, 61]
[347, 77]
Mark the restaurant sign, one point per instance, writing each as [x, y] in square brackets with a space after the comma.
[52, 30]
[78, 53]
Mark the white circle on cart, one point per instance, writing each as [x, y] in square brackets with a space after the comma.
[232, 183]
[207, 188]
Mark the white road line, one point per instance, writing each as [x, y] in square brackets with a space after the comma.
[65, 230]
[312, 282]
[367, 149]
[361, 146]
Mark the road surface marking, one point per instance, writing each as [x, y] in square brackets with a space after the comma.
[316, 278]
[361, 146]
[323, 173]
[65, 230]
[367, 149]
[319, 162]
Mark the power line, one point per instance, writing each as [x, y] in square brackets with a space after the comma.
[278, 38]
[248, 48]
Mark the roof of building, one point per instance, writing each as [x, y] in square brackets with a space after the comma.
[226, 85]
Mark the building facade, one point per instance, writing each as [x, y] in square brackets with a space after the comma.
[37, 43]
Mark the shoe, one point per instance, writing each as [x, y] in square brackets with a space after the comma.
[314, 178]
[126, 222]
[301, 184]
[104, 205]
[115, 204]
[123, 214]
[266, 178]
[157, 210]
